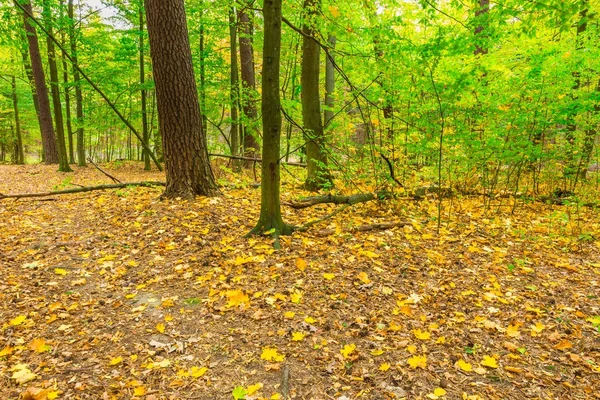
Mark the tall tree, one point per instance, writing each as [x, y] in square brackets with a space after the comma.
[316, 158]
[37, 68]
[329, 83]
[63, 161]
[20, 154]
[480, 15]
[270, 219]
[248, 81]
[234, 81]
[67, 89]
[184, 142]
[145, 131]
[77, 81]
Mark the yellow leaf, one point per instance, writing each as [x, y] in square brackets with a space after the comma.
[271, 354]
[328, 276]
[6, 351]
[422, 335]
[196, 372]
[160, 327]
[164, 363]
[60, 271]
[250, 390]
[116, 361]
[411, 349]
[52, 395]
[22, 374]
[289, 314]
[463, 365]
[439, 392]
[236, 298]
[309, 320]
[377, 352]
[301, 264]
[384, 367]
[297, 336]
[513, 330]
[139, 391]
[335, 11]
[516, 370]
[17, 320]
[348, 350]
[489, 362]
[418, 362]
[296, 297]
[563, 345]
[39, 345]
[168, 318]
[276, 396]
[364, 278]
[537, 328]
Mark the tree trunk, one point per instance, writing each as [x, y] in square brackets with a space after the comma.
[145, 133]
[251, 146]
[20, 154]
[67, 89]
[317, 173]
[63, 161]
[270, 219]
[203, 80]
[480, 14]
[37, 68]
[329, 84]
[77, 82]
[184, 142]
[235, 89]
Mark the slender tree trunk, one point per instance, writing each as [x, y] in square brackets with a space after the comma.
[270, 219]
[235, 86]
[316, 158]
[203, 79]
[44, 114]
[67, 90]
[77, 81]
[184, 142]
[145, 133]
[481, 13]
[20, 154]
[251, 146]
[329, 84]
[63, 160]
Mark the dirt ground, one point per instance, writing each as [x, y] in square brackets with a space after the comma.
[118, 295]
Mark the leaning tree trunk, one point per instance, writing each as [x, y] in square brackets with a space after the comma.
[77, 82]
[270, 219]
[250, 141]
[63, 160]
[316, 158]
[184, 142]
[37, 68]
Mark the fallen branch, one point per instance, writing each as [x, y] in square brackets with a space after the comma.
[364, 228]
[103, 171]
[295, 164]
[337, 199]
[81, 190]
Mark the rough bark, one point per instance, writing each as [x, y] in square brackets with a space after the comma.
[37, 68]
[329, 84]
[317, 172]
[20, 154]
[145, 132]
[250, 132]
[67, 90]
[234, 85]
[270, 219]
[184, 142]
[77, 83]
[337, 199]
[80, 190]
[480, 14]
[63, 160]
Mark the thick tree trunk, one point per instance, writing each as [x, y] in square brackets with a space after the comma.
[234, 89]
[270, 206]
[77, 82]
[145, 133]
[250, 130]
[20, 154]
[184, 142]
[44, 114]
[316, 158]
[63, 161]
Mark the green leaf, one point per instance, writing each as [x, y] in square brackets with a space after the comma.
[239, 393]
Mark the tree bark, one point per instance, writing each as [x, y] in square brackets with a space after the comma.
[67, 90]
[329, 84]
[481, 13]
[184, 142]
[44, 114]
[250, 132]
[77, 82]
[234, 86]
[270, 219]
[20, 154]
[145, 133]
[316, 158]
[63, 161]
[80, 190]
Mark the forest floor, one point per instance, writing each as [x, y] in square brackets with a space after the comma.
[118, 295]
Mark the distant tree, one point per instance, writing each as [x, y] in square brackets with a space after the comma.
[184, 142]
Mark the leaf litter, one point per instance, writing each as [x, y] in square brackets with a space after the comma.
[114, 295]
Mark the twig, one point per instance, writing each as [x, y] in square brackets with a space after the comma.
[115, 180]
